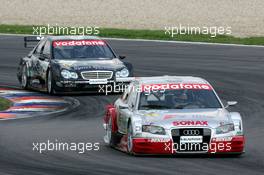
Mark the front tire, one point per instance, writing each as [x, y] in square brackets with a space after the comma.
[109, 132]
[130, 139]
[24, 78]
[112, 137]
[50, 83]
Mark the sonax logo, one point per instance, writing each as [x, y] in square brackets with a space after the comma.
[190, 123]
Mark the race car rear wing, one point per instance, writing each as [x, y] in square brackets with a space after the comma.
[30, 41]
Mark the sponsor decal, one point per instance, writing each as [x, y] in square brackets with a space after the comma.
[151, 114]
[169, 116]
[191, 139]
[78, 43]
[200, 116]
[190, 123]
[154, 87]
[98, 81]
[88, 67]
[158, 140]
[222, 139]
[178, 116]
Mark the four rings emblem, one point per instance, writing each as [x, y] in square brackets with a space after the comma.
[194, 132]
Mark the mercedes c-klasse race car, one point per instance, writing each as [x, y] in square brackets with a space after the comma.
[72, 63]
[173, 115]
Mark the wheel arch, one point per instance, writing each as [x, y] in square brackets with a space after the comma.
[20, 68]
[111, 113]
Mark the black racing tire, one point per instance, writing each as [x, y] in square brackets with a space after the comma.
[50, 83]
[24, 78]
[112, 136]
[130, 139]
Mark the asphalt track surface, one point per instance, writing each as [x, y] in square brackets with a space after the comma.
[237, 73]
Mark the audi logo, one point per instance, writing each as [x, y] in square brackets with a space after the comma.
[194, 132]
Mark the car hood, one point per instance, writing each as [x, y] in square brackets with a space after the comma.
[83, 65]
[185, 118]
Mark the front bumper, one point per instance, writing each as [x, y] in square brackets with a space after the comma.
[167, 147]
[110, 86]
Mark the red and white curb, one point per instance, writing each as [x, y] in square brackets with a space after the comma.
[28, 104]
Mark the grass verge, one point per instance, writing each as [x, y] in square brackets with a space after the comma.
[4, 104]
[148, 34]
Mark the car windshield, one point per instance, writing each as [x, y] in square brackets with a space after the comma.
[178, 99]
[81, 49]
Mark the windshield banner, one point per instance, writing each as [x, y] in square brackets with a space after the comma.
[154, 87]
[78, 43]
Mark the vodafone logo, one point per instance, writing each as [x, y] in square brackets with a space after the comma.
[190, 123]
[78, 43]
[154, 87]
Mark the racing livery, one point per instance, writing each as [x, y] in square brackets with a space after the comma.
[71, 63]
[173, 115]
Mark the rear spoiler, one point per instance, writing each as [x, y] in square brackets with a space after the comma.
[30, 41]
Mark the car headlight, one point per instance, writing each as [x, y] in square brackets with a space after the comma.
[153, 129]
[123, 73]
[67, 74]
[225, 128]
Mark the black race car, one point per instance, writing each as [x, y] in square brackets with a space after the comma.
[71, 64]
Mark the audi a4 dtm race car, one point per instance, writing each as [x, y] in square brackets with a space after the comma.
[71, 63]
[173, 115]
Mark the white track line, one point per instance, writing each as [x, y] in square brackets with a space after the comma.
[185, 42]
[158, 41]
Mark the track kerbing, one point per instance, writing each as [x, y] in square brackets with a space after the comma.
[28, 104]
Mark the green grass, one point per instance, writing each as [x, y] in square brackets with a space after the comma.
[148, 34]
[4, 104]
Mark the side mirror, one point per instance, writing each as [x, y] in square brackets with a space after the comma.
[42, 57]
[231, 103]
[122, 57]
[123, 106]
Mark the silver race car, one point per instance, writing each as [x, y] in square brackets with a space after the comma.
[173, 115]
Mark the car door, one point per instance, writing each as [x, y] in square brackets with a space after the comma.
[44, 61]
[125, 109]
[34, 66]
